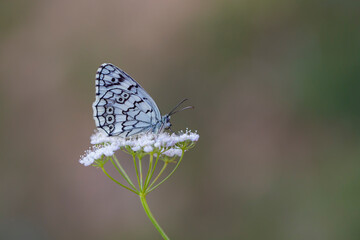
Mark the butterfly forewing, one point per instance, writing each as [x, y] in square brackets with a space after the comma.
[122, 107]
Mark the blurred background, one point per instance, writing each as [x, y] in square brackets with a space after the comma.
[276, 90]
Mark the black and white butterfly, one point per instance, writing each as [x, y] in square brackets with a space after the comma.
[123, 108]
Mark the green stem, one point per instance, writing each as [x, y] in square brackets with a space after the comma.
[177, 165]
[148, 175]
[103, 169]
[121, 170]
[137, 172]
[161, 171]
[141, 175]
[153, 169]
[151, 217]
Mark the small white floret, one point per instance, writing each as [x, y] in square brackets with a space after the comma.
[148, 149]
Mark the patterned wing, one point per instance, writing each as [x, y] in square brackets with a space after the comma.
[122, 107]
[109, 76]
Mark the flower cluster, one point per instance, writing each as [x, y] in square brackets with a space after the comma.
[165, 144]
[161, 151]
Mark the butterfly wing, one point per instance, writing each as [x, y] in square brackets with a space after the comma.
[109, 76]
[122, 107]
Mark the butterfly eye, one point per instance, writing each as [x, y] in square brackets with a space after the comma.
[109, 110]
[113, 80]
[109, 119]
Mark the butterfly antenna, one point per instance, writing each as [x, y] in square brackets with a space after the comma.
[188, 107]
[173, 110]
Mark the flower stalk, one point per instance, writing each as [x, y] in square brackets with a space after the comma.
[151, 217]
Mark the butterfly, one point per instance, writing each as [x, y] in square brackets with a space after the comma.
[123, 108]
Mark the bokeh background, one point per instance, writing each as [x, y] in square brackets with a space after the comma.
[276, 90]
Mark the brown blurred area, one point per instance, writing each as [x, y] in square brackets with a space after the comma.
[275, 85]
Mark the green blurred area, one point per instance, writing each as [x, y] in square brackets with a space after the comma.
[275, 88]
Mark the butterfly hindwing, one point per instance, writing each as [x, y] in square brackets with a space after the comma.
[122, 107]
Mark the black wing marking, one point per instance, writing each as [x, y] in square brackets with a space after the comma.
[122, 113]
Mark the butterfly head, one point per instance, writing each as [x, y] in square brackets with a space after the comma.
[166, 122]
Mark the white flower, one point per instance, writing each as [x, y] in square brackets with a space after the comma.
[136, 148]
[97, 152]
[173, 152]
[148, 149]
[149, 142]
